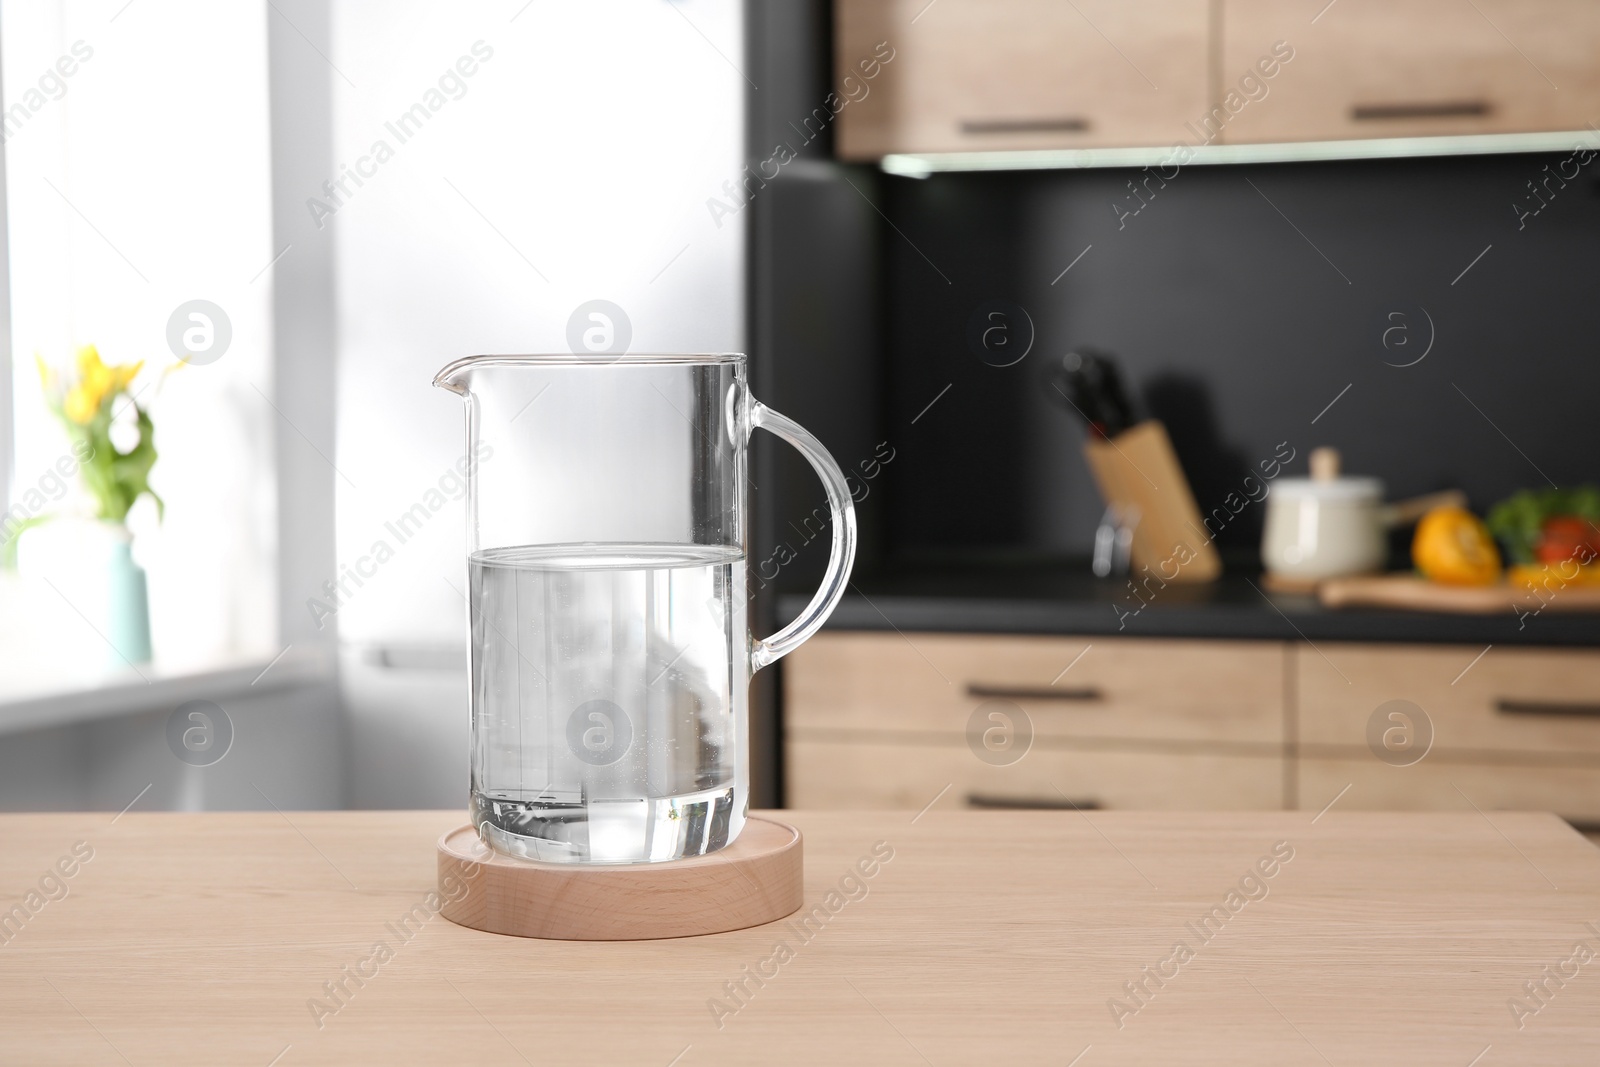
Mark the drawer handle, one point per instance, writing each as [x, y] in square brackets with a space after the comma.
[1546, 707]
[1068, 124]
[988, 802]
[1449, 109]
[1082, 695]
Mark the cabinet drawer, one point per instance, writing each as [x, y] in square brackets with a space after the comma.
[1511, 700]
[1438, 785]
[1145, 688]
[978, 75]
[848, 774]
[1374, 68]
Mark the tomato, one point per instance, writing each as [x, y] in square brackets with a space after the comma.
[1564, 536]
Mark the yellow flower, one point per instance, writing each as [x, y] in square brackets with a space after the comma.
[47, 377]
[82, 404]
[97, 384]
[94, 377]
[88, 359]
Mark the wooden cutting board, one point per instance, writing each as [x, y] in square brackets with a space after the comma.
[1407, 591]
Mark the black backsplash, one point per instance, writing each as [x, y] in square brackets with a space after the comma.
[1240, 302]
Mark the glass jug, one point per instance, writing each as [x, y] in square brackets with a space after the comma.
[607, 527]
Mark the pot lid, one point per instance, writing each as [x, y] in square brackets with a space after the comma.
[1326, 483]
[1354, 489]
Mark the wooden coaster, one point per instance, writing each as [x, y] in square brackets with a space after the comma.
[757, 879]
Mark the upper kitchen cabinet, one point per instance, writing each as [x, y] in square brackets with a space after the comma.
[1376, 68]
[981, 75]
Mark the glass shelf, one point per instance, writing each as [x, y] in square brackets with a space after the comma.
[924, 164]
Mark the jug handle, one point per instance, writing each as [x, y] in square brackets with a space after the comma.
[843, 553]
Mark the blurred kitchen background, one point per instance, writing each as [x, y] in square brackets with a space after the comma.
[1276, 225]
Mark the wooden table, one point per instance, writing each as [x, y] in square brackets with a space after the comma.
[1003, 938]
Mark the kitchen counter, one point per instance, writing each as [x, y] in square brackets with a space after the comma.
[1089, 939]
[1057, 599]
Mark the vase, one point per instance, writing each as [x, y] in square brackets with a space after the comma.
[90, 565]
[127, 604]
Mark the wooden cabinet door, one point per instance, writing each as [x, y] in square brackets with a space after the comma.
[1509, 701]
[826, 775]
[1517, 728]
[976, 75]
[1377, 68]
[877, 720]
[1135, 689]
[1573, 792]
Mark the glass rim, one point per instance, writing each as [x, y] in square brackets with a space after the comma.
[587, 359]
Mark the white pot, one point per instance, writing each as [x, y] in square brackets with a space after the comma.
[1328, 526]
[1324, 528]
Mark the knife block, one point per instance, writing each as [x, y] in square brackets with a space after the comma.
[1137, 469]
[757, 879]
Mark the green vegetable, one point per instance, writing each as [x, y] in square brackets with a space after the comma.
[1518, 521]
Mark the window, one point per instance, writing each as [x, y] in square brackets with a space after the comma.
[137, 179]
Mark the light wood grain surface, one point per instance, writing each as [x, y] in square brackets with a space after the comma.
[983, 75]
[1529, 64]
[1492, 703]
[884, 720]
[1102, 687]
[832, 774]
[978, 938]
[1439, 783]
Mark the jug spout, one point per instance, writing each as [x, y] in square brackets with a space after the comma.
[454, 376]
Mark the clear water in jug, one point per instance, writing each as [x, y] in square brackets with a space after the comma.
[611, 676]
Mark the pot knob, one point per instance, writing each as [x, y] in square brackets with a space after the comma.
[1324, 464]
